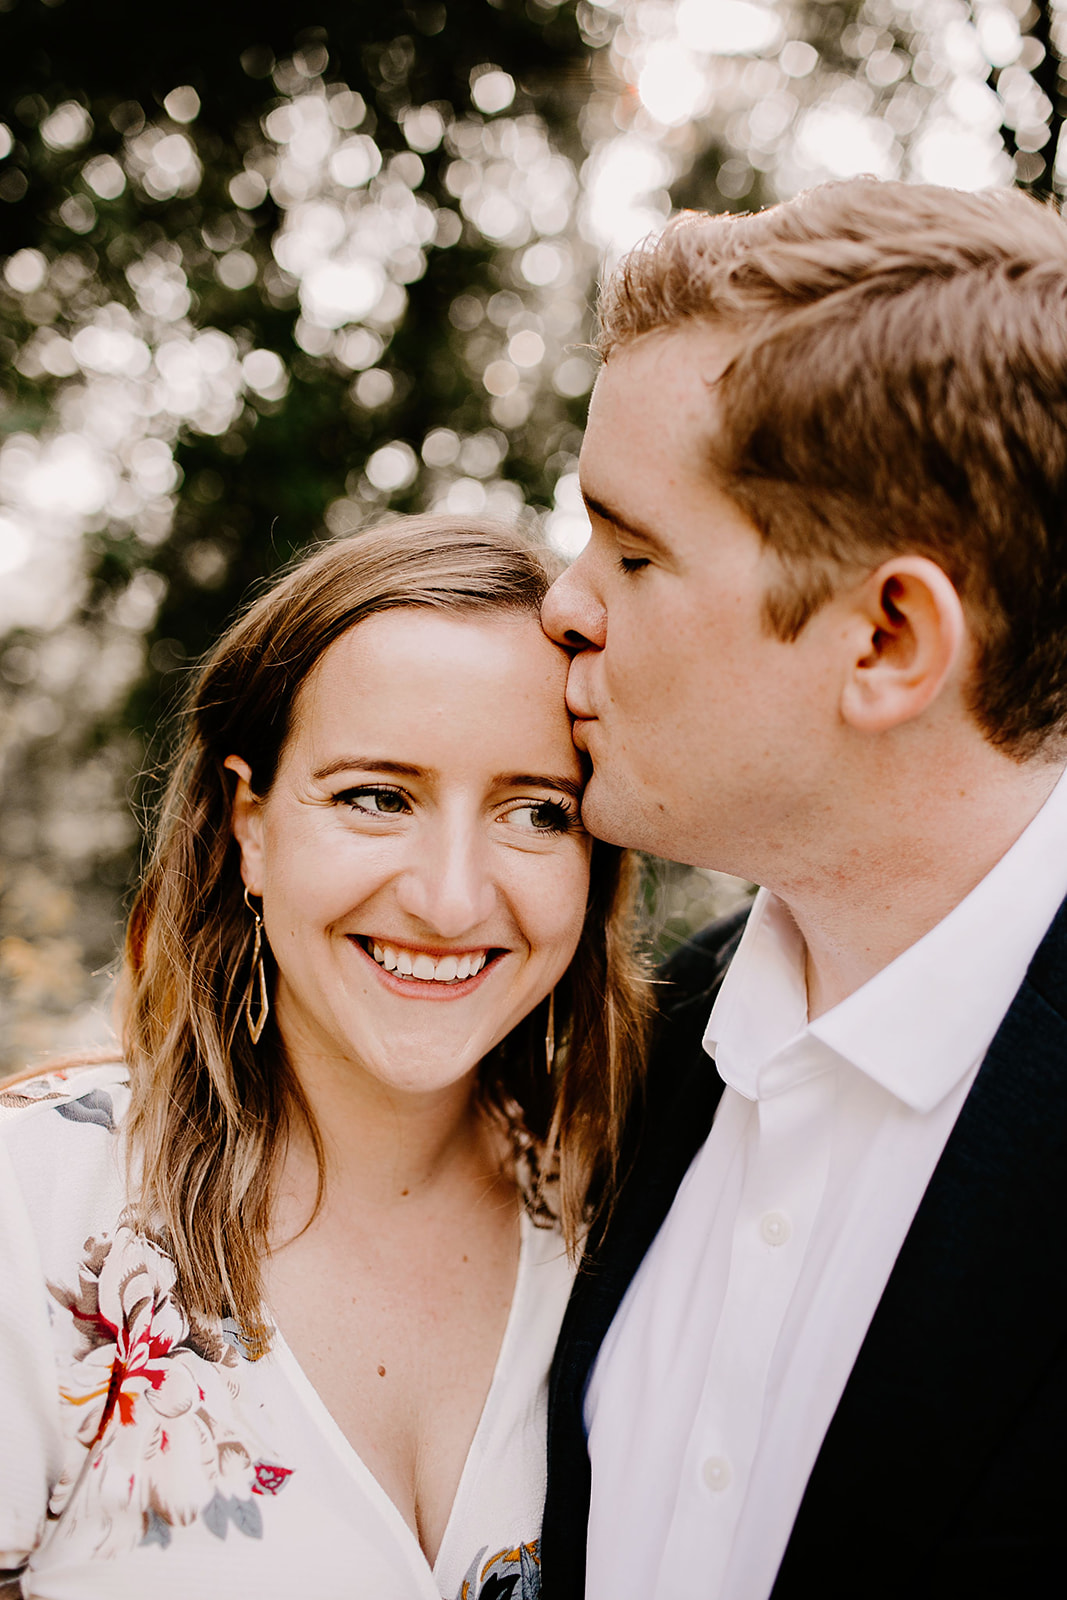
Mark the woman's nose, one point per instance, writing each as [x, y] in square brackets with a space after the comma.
[449, 887]
[571, 613]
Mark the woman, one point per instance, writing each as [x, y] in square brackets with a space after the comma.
[278, 1297]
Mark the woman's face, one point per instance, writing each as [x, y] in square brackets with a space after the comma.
[422, 864]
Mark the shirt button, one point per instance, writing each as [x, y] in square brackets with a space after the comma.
[774, 1228]
[716, 1473]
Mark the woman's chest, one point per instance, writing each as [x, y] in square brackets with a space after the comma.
[400, 1346]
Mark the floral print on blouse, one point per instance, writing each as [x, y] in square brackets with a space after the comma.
[145, 1451]
[151, 1392]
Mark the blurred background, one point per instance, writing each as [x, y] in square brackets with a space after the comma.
[268, 273]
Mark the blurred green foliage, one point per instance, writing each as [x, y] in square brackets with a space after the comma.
[268, 274]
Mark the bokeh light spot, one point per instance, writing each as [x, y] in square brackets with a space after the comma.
[573, 377]
[492, 90]
[671, 85]
[466, 497]
[68, 126]
[797, 58]
[78, 213]
[440, 448]
[335, 292]
[105, 177]
[998, 34]
[374, 388]
[424, 128]
[347, 108]
[356, 162]
[14, 545]
[482, 453]
[393, 467]
[567, 525]
[542, 264]
[265, 372]
[248, 190]
[845, 143]
[25, 271]
[500, 377]
[182, 104]
[727, 27]
[961, 157]
[236, 269]
[526, 349]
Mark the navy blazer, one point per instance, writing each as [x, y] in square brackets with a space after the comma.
[943, 1475]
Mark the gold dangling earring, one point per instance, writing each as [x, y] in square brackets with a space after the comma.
[257, 979]
[550, 1035]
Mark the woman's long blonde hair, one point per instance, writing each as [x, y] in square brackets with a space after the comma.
[210, 1112]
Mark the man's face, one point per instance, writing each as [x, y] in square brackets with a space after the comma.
[709, 738]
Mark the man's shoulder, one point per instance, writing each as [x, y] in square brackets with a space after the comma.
[696, 969]
[686, 987]
[670, 1117]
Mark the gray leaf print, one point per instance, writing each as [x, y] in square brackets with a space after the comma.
[215, 1515]
[96, 1106]
[530, 1572]
[247, 1517]
[156, 1530]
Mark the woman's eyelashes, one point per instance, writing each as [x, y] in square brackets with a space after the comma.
[542, 816]
[375, 800]
[545, 816]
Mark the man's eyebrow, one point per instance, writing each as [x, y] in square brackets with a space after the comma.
[398, 769]
[532, 780]
[597, 508]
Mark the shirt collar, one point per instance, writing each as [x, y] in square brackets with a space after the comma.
[919, 1025]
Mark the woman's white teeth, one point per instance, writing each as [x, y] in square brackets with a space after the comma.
[416, 964]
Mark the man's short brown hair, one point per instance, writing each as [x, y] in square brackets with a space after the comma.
[900, 385]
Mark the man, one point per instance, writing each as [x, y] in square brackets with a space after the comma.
[820, 636]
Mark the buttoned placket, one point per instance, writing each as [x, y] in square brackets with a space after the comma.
[787, 1154]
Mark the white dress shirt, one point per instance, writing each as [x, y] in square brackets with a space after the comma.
[720, 1375]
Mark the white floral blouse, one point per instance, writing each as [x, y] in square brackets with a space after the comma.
[143, 1452]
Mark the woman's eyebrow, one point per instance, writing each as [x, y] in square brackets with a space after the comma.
[532, 780]
[397, 769]
[401, 769]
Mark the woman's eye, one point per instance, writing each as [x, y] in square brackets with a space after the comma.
[632, 563]
[542, 816]
[375, 802]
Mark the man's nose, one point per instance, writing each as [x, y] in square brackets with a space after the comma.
[571, 613]
[448, 885]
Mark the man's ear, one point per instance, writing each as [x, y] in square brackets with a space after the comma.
[911, 635]
[247, 823]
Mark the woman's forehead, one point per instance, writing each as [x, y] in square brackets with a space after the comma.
[436, 687]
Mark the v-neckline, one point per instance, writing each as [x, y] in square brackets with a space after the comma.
[326, 1424]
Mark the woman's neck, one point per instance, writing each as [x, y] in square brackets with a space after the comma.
[384, 1149]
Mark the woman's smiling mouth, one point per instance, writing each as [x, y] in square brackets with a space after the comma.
[453, 970]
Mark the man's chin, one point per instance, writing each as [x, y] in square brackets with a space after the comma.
[607, 815]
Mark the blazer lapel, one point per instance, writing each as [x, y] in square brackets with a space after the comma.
[972, 1315]
[682, 1093]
